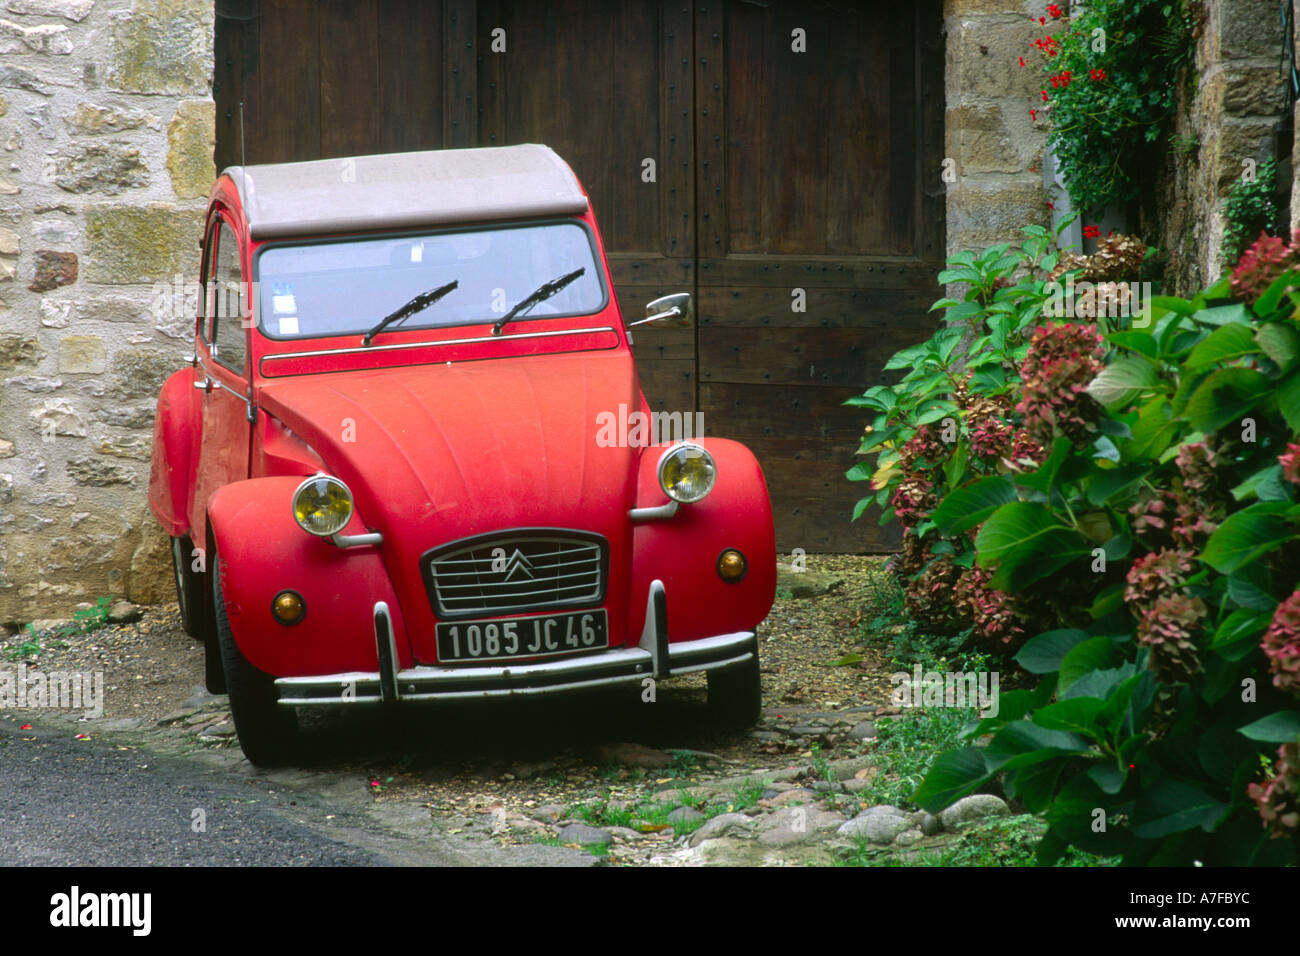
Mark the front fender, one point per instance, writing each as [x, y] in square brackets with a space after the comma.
[262, 551]
[682, 551]
[176, 427]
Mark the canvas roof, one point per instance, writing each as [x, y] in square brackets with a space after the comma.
[406, 190]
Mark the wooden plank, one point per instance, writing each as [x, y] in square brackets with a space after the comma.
[837, 358]
[460, 72]
[728, 131]
[234, 78]
[857, 195]
[771, 411]
[349, 78]
[410, 81]
[931, 200]
[808, 271]
[677, 108]
[288, 84]
[763, 306]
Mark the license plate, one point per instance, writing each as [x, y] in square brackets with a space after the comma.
[511, 638]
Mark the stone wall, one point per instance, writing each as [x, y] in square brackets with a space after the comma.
[106, 126]
[995, 144]
[1232, 108]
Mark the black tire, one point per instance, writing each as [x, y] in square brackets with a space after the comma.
[736, 695]
[267, 732]
[189, 590]
[214, 672]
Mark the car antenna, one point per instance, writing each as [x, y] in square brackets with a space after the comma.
[243, 163]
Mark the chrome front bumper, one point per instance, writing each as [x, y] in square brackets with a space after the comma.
[653, 657]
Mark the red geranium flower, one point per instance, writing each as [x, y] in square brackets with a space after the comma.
[1097, 74]
[1055, 11]
[1091, 232]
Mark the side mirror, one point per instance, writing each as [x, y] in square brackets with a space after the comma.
[668, 312]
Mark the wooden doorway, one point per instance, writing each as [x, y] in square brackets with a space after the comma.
[790, 181]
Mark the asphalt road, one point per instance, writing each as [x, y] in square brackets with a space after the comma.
[65, 802]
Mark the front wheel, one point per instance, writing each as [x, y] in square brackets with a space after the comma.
[736, 694]
[267, 732]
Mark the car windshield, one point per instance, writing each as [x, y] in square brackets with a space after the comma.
[347, 285]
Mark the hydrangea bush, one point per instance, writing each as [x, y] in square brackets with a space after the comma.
[1113, 502]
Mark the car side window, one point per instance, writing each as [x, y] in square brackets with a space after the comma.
[225, 300]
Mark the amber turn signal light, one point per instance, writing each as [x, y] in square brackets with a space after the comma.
[732, 565]
[288, 607]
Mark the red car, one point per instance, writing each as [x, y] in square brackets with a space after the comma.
[411, 459]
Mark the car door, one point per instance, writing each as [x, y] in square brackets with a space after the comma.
[222, 372]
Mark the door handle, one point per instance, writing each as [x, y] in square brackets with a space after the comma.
[204, 385]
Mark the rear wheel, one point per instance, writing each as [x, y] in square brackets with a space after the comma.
[267, 732]
[736, 694]
[189, 588]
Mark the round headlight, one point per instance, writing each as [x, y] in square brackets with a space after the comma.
[687, 472]
[322, 505]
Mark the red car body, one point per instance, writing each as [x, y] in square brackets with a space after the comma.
[447, 437]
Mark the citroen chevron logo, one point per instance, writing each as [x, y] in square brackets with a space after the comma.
[517, 564]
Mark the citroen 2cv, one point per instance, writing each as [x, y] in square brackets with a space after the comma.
[390, 474]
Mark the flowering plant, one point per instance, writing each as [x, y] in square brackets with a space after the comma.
[1107, 129]
[1118, 506]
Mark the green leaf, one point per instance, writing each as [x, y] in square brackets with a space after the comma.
[965, 507]
[1225, 396]
[1246, 535]
[860, 472]
[1239, 633]
[1282, 727]
[952, 776]
[1043, 654]
[960, 274]
[1121, 382]
[862, 505]
[1109, 777]
[1027, 542]
[1224, 315]
[880, 397]
[1288, 400]
[1108, 484]
[1155, 430]
[1141, 342]
[1280, 343]
[1094, 654]
[1267, 303]
[1266, 484]
[1171, 806]
[1078, 715]
[1223, 344]
[1173, 304]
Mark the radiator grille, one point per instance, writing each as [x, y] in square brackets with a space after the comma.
[516, 573]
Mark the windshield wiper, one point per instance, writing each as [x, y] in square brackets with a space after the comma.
[420, 302]
[543, 292]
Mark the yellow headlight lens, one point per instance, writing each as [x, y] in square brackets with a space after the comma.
[322, 505]
[687, 472]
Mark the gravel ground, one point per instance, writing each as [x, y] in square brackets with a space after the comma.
[519, 772]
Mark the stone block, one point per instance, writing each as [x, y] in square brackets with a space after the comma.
[191, 138]
[162, 46]
[52, 269]
[82, 355]
[128, 243]
[75, 10]
[106, 168]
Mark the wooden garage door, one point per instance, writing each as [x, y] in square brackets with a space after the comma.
[795, 192]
